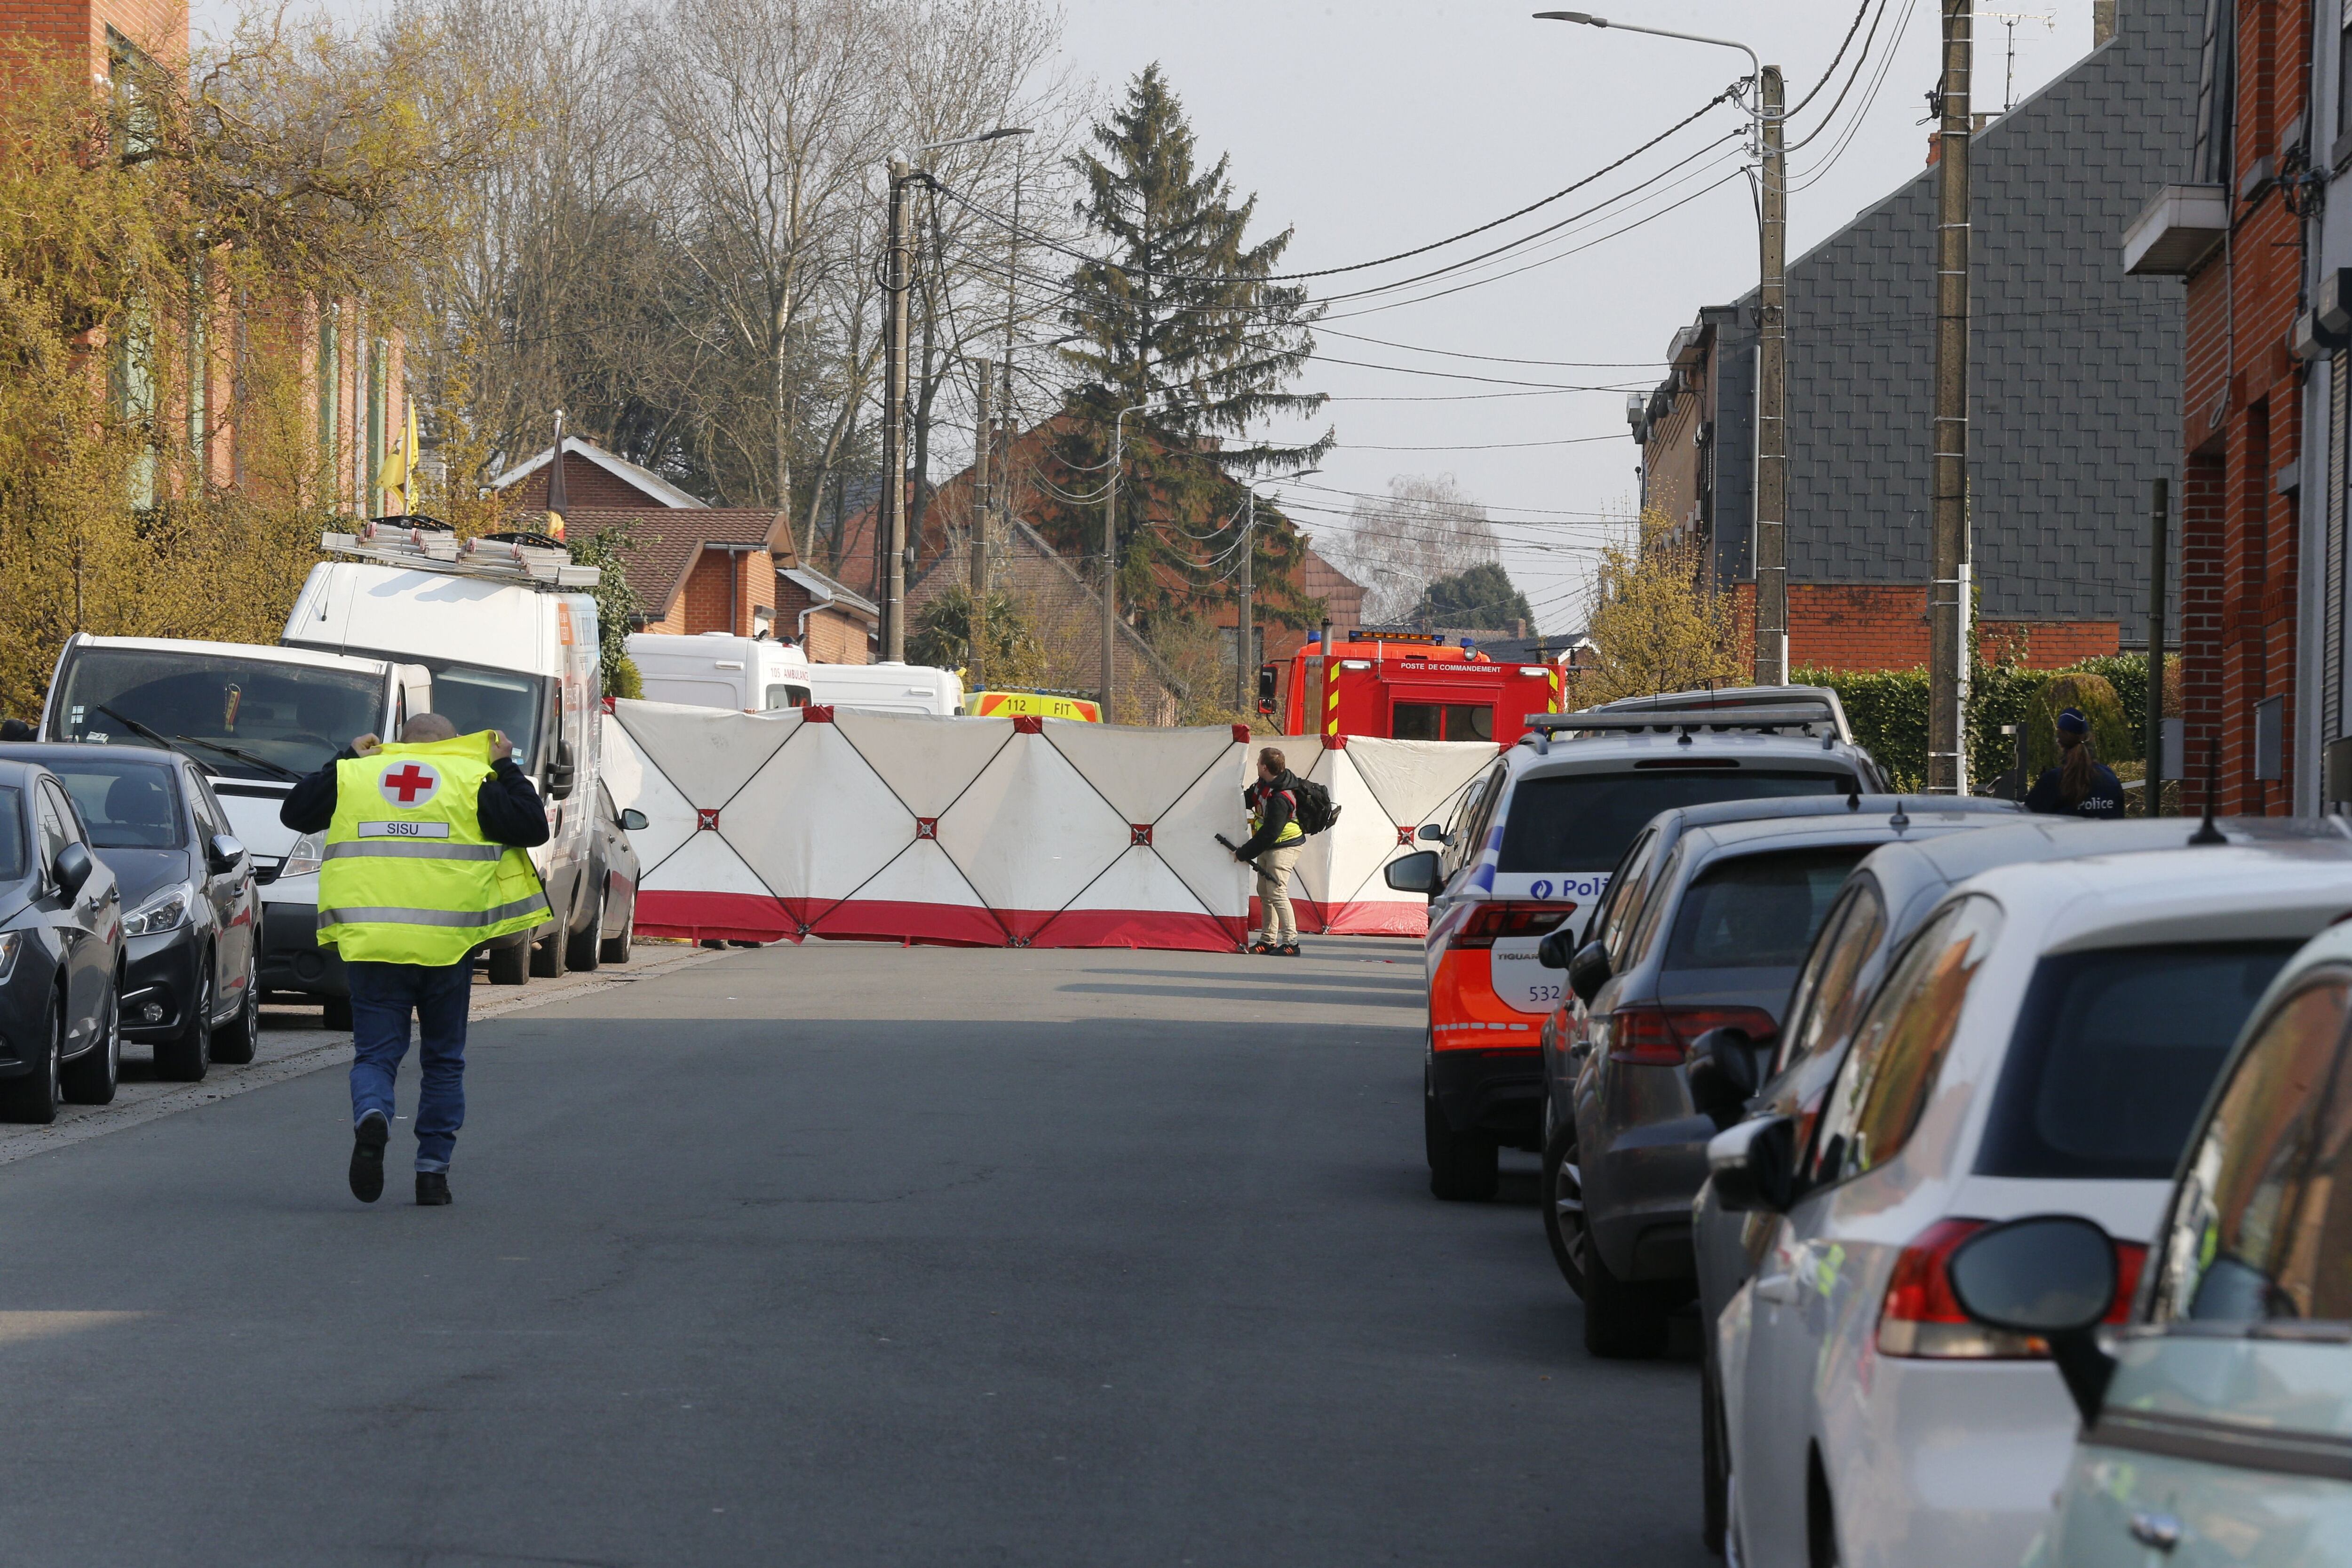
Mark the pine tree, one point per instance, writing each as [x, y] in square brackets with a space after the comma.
[1178, 318]
[1483, 596]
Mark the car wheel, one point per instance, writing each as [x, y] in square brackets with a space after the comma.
[187, 1058]
[1563, 1204]
[90, 1077]
[237, 1042]
[1462, 1166]
[509, 966]
[1820, 1515]
[34, 1097]
[615, 949]
[1624, 1320]
[334, 1012]
[582, 948]
[547, 955]
[1714, 1461]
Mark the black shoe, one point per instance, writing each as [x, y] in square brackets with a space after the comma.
[1288, 950]
[432, 1188]
[367, 1157]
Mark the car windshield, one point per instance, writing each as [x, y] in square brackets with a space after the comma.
[1582, 822]
[474, 699]
[1759, 911]
[12, 835]
[2114, 1053]
[125, 804]
[294, 716]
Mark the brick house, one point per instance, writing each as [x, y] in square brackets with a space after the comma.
[2076, 377]
[352, 362]
[2247, 585]
[696, 567]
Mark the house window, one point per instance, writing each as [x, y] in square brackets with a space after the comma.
[2217, 93]
[330, 373]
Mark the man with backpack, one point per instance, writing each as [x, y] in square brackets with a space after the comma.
[1283, 811]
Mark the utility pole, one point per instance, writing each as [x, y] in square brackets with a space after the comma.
[976, 620]
[1110, 559]
[1245, 665]
[1948, 594]
[896, 268]
[1771, 393]
[2160, 516]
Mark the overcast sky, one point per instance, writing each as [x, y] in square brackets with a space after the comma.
[1374, 126]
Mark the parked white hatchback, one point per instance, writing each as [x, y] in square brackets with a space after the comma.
[2045, 1042]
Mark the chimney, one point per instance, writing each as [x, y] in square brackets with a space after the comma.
[2103, 21]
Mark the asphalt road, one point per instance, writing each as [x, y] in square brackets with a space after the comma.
[839, 1254]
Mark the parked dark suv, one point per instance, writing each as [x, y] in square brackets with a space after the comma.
[1703, 929]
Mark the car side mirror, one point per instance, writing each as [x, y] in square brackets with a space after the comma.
[1588, 970]
[560, 772]
[2053, 1275]
[1415, 873]
[1431, 833]
[633, 819]
[1725, 1074]
[1754, 1165]
[221, 853]
[1556, 950]
[72, 869]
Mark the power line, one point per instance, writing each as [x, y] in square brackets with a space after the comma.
[1000, 219]
[1830, 70]
[1479, 446]
[1497, 359]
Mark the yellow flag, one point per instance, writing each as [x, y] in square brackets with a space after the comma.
[400, 463]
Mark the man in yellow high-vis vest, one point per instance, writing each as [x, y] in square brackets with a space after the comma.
[424, 864]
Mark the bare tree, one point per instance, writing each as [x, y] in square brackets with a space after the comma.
[1397, 544]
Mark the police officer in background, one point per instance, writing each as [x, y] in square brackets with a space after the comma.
[424, 864]
[2081, 785]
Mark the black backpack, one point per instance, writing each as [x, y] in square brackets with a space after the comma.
[1314, 811]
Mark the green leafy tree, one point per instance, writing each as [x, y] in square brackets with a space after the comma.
[1184, 323]
[616, 603]
[1482, 597]
[941, 636]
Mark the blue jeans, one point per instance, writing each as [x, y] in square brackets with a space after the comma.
[383, 997]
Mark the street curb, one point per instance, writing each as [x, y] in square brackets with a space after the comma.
[332, 1052]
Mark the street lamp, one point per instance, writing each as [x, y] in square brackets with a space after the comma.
[896, 285]
[1771, 349]
[1244, 633]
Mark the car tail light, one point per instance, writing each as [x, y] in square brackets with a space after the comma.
[1488, 922]
[1921, 1317]
[1655, 1037]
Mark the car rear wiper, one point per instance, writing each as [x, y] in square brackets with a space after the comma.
[280, 769]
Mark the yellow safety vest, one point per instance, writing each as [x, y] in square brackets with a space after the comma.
[409, 876]
[1291, 832]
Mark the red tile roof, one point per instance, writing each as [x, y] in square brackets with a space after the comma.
[669, 542]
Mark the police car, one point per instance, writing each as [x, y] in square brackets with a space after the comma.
[1532, 846]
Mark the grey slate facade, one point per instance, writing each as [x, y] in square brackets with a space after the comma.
[2075, 369]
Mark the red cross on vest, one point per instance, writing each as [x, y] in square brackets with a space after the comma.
[412, 785]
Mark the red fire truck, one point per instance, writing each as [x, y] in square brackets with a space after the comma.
[1408, 686]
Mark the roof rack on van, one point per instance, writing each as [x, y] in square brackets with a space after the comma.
[525, 560]
[1785, 716]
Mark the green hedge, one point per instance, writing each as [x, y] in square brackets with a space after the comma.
[1888, 710]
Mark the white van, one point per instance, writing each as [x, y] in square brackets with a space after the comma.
[505, 653]
[255, 719]
[890, 687]
[718, 670]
